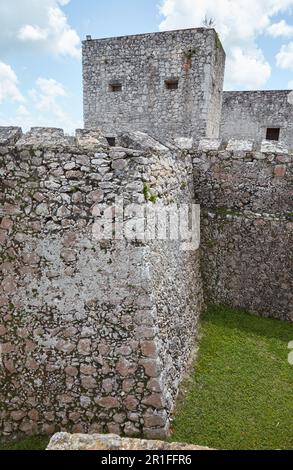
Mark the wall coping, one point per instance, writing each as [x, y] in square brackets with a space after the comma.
[136, 140]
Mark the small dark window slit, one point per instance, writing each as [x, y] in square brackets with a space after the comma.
[115, 87]
[172, 84]
[111, 141]
[273, 133]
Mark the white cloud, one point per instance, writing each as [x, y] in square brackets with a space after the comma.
[239, 23]
[9, 84]
[68, 44]
[46, 95]
[40, 22]
[249, 69]
[285, 57]
[22, 111]
[290, 85]
[51, 87]
[44, 108]
[32, 33]
[56, 19]
[280, 29]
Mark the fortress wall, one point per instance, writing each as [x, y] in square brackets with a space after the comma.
[142, 64]
[215, 91]
[248, 114]
[95, 335]
[246, 229]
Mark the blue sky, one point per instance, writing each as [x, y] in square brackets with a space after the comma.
[40, 66]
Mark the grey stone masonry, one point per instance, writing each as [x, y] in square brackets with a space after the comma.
[9, 135]
[95, 334]
[248, 115]
[245, 191]
[166, 84]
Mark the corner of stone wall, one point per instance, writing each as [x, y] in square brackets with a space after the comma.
[89, 333]
[243, 187]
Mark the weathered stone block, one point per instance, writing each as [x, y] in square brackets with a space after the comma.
[64, 441]
[9, 135]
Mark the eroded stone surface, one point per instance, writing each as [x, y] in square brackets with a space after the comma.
[139, 141]
[9, 135]
[240, 145]
[270, 146]
[64, 441]
[90, 138]
[44, 136]
[90, 337]
[209, 144]
[246, 228]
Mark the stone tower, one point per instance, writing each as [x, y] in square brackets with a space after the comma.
[166, 84]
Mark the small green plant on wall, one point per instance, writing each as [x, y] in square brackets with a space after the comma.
[149, 197]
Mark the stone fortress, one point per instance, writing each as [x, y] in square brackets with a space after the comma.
[170, 85]
[96, 335]
[163, 84]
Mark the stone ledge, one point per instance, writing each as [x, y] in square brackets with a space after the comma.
[65, 441]
[10, 135]
[94, 138]
[243, 146]
[140, 141]
[50, 137]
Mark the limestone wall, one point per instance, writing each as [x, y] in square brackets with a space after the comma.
[95, 335]
[141, 65]
[245, 190]
[248, 114]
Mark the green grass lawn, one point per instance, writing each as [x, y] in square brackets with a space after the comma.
[31, 443]
[240, 393]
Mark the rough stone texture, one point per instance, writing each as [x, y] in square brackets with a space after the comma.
[248, 114]
[209, 144]
[248, 262]
[43, 137]
[140, 141]
[270, 146]
[10, 135]
[64, 441]
[240, 145]
[141, 64]
[87, 137]
[246, 229]
[95, 335]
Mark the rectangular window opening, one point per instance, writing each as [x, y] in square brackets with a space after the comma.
[115, 87]
[273, 133]
[172, 84]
